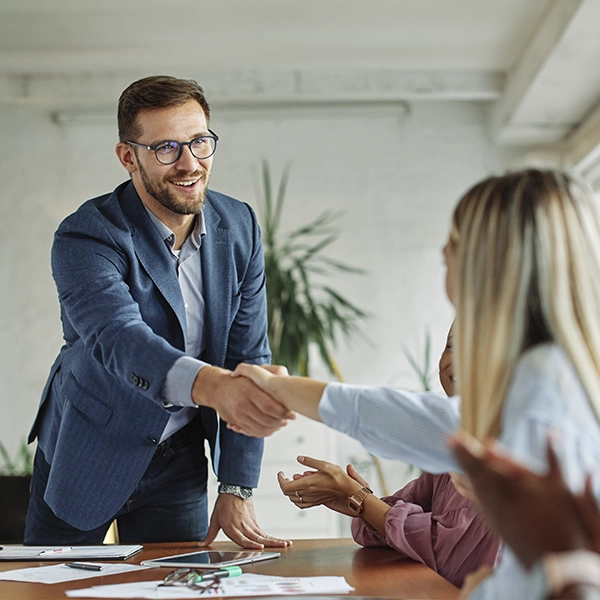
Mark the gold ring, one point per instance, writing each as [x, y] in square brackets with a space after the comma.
[258, 538]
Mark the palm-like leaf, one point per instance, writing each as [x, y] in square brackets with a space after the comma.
[423, 371]
[300, 310]
[22, 464]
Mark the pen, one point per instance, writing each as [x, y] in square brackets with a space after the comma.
[84, 566]
[221, 574]
[54, 551]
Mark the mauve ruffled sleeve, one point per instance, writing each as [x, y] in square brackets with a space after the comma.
[405, 517]
[431, 523]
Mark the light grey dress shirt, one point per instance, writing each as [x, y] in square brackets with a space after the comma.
[545, 396]
[177, 389]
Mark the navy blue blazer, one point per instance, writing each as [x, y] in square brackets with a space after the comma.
[123, 319]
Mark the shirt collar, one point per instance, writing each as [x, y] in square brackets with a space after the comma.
[168, 236]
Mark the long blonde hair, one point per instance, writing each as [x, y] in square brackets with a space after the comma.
[527, 250]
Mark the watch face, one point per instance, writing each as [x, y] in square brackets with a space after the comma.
[356, 502]
[354, 506]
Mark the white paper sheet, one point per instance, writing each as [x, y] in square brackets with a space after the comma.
[37, 553]
[61, 573]
[248, 584]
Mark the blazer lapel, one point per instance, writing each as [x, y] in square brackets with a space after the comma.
[153, 254]
[216, 282]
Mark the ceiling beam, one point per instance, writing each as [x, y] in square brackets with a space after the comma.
[582, 149]
[255, 88]
[519, 115]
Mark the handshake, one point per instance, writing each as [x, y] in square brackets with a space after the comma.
[250, 399]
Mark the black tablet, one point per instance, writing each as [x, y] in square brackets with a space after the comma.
[210, 559]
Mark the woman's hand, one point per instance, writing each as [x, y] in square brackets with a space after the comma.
[260, 375]
[534, 514]
[325, 484]
[354, 474]
[463, 486]
[297, 394]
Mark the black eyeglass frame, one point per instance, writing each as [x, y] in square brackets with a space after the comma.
[181, 145]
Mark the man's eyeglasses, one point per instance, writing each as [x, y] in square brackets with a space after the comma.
[169, 151]
[193, 579]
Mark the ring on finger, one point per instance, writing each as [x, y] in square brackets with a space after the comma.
[258, 538]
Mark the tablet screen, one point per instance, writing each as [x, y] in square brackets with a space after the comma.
[212, 559]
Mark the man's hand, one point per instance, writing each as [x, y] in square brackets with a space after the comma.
[327, 484]
[236, 518]
[244, 407]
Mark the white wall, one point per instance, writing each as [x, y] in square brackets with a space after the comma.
[397, 175]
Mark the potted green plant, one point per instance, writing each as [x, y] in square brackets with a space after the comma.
[15, 480]
[303, 309]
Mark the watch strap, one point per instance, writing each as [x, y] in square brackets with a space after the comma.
[356, 501]
[236, 490]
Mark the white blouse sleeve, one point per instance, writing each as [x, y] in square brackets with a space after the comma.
[395, 424]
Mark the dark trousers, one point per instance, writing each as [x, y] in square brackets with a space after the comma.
[169, 503]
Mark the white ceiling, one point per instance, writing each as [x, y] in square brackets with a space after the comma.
[44, 35]
[537, 59]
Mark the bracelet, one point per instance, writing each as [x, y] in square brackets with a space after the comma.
[236, 490]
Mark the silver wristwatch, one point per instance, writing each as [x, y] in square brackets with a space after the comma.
[236, 490]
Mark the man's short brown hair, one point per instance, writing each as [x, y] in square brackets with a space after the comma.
[158, 91]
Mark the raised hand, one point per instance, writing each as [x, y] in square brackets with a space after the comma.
[355, 475]
[325, 484]
[534, 514]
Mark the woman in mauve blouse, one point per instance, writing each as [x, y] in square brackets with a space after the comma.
[428, 520]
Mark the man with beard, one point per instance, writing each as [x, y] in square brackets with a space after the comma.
[162, 291]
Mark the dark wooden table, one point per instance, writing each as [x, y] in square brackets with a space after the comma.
[375, 572]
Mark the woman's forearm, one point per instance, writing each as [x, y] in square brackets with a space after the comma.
[300, 394]
[374, 513]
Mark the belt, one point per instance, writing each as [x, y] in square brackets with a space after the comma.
[185, 432]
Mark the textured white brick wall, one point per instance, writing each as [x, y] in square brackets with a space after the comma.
[396, 174]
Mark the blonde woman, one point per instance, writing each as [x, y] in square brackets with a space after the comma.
[523, 271]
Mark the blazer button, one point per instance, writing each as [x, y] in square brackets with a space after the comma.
[133, 378]
[151, 441]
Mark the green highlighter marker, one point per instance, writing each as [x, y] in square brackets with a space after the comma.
[220, 574]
